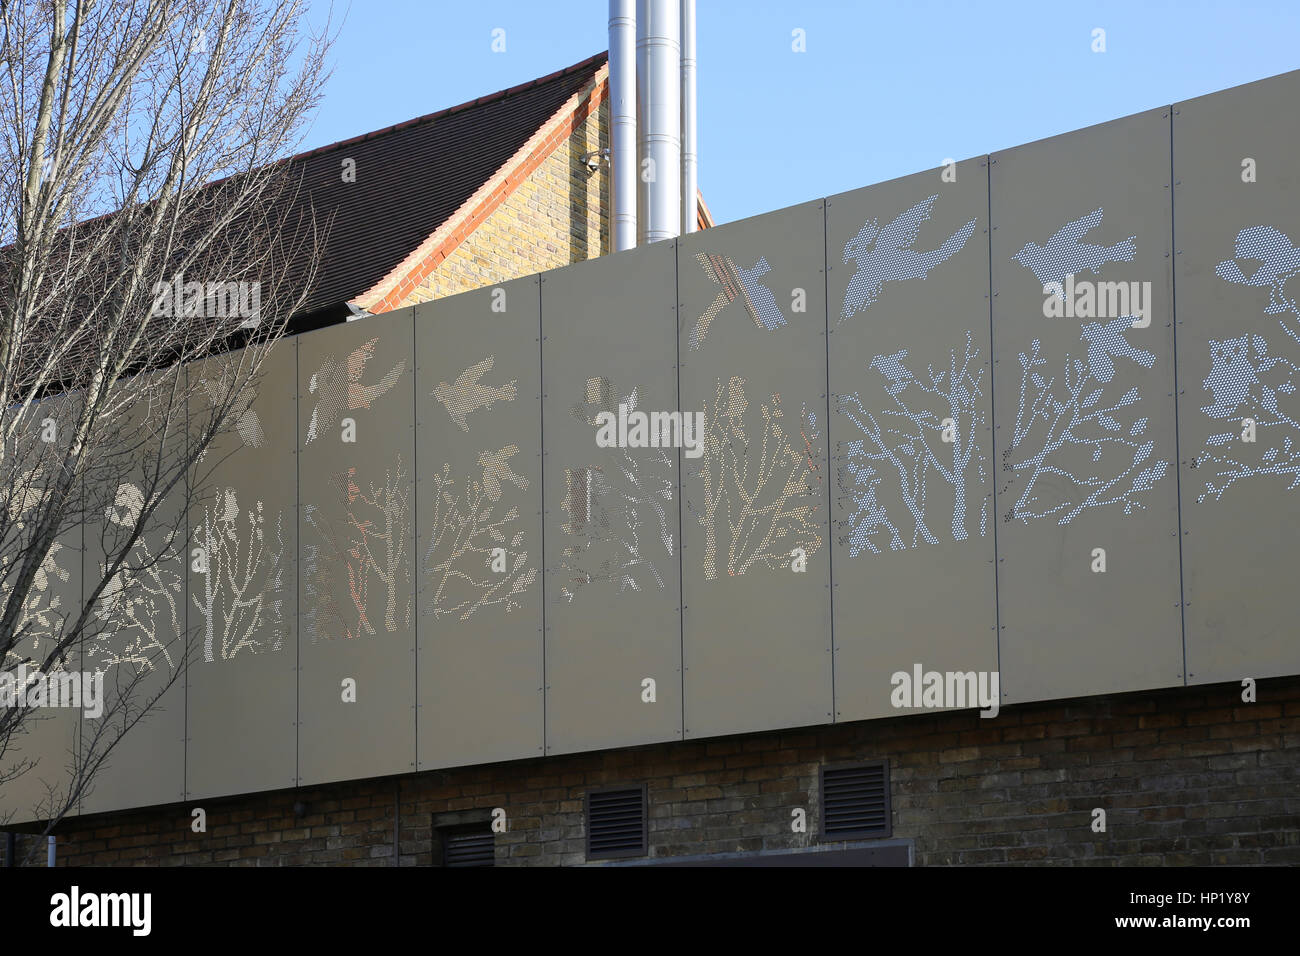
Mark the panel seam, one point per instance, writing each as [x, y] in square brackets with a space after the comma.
[541, 485]
[993, 429]
[185, 548]
[416, 571]
[681, 492]
[1173, 325]
[829, 499]
[297, 571]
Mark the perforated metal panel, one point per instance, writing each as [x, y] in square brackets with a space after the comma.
[45, 743]
[613, 611]
[137, 634]
[1084, 412]
[1079, 396]
[356, 544]
[911, 429]
[756, 559]
[243, 579]
[479, 510]
[1239, 359]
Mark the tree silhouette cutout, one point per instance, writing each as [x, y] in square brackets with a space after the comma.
[1058, 417]
[615, 508]
[238, 594]
[907, 442]
[761, 480]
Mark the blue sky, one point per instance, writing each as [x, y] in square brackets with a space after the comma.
[884, 88]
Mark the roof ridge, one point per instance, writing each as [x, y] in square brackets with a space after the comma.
[594, 60]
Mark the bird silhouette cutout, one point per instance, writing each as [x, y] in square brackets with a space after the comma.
[496, 469]
[1065, 255]
[740, 284]
[1231, 376]
[602, 396]
[467, 394]
[891, 366]
[886, 255]
[1105, 341]
[247, 424]
[1279, 261]
[338, 386]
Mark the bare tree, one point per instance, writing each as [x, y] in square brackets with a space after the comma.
[143, 198]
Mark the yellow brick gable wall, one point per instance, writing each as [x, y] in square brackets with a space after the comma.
[557, 216]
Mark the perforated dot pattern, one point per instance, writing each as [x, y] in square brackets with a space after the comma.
[886, 255]
[1065, 254]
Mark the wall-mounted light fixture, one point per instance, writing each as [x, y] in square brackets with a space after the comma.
[596, 158]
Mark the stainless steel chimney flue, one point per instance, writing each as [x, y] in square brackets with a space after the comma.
[659, 100]
[690, 154]
[622, 121]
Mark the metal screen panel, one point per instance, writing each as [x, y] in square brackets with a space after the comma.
[1237, 213]
[613, 606]
[911, 430]
[755, 559]
[356, 527]
[1084, 413]
[136, 635]
[243, 582]
[479, 511]
[42, 750]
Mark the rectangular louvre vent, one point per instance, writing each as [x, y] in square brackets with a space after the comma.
[616, 823]
[855, 801]
[476, 847]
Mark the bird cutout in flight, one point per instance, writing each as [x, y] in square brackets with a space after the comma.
[1279, 261]
[337, 386]
[1108, 340]
[602, 396]
[886, 255]
[496, 469]
[891, 366]
[246, 421]
[1065, 255]
[467, 394]
[741, 284]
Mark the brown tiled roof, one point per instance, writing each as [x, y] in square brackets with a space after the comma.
[410, 178]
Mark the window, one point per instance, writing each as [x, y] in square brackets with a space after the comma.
[616, 823]
[855, 801]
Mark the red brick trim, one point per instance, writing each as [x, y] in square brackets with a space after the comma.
[704, 216]
[391, 291]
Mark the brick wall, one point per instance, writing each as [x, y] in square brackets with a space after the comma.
[1186, 776]
[558, 215]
